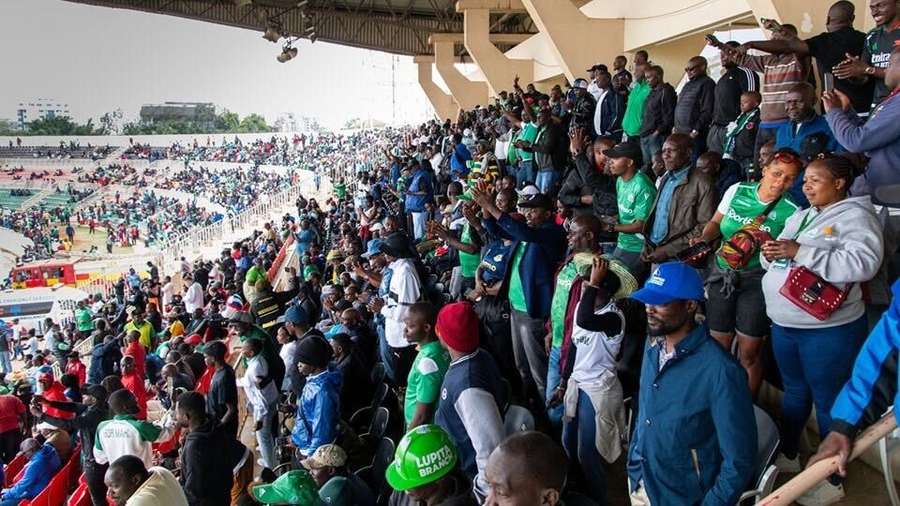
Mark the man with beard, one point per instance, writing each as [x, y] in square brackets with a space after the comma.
[696, 413]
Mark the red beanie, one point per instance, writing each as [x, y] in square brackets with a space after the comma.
[457, 326]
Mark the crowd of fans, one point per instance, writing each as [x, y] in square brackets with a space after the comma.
[562, 298]
[65, 151]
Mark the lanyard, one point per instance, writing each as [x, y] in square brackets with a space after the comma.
[803, 224]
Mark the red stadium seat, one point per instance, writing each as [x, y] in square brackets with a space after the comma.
[81, 496]
[12, 470]
[55, 493]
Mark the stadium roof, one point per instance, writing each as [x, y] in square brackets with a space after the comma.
[394, 26]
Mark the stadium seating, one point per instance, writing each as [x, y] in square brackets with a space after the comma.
[12, 470]
[56, 492]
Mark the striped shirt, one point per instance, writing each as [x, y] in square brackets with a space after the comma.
[780, 74]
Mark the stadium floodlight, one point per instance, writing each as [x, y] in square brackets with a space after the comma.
[272, 33]
[243, 3]
[302, 3]
[287, 54]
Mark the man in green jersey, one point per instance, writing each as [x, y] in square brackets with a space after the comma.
[634, 195]
[423, 385]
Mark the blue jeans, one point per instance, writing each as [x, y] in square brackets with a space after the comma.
[553, 379]
[814, 365]
[525, 173]
[650, 145]
[384, 351]
[5, 362]
[545, 180]
[580, 441]
[266, 438]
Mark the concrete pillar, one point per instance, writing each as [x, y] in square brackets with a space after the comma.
[577, 40]
[499, 70]
[466, 93]
[444, 105]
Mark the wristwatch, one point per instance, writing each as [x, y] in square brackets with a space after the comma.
[870, 71]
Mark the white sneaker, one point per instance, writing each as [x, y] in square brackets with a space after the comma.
[822, 494]
[786, 465]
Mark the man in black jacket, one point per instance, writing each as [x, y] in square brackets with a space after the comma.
[696, 104]
[206, 472]
[610, 108]
[659, 114]
[735, 81]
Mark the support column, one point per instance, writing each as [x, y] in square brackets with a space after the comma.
[577, 40]
[499, 70]
[466, 93]
[444, 105]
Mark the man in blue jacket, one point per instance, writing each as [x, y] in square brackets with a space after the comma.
[318, 408]
[878, 138]
[539, 249]
[695, 438]
[419, 198]
[43, 463]
[871, 390]
[803, 122]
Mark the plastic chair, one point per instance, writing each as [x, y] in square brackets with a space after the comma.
[362, 418]
[378, 374]
[373, 475]
[767, 441]
[13, 469]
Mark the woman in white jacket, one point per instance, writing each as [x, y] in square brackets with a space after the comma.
[840, 239]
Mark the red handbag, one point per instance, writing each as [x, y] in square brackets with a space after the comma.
[808, 291]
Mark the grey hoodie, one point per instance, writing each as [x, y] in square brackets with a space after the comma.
[842, 243]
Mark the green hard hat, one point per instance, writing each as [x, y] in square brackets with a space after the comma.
[425, 455]
[292, 487]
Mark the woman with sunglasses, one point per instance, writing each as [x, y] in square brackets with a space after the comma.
[735, 303]
[839, 238]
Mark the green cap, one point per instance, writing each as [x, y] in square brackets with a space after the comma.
[292, 487]
[309, 270]
[425, 455]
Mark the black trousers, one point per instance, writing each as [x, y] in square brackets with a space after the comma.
[93, 475]
[9, 444]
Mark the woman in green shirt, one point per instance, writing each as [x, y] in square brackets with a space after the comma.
[635, 194]
[735, 302]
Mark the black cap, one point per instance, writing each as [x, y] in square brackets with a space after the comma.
[625, 150]
[314, 350]
[538, 201]
[397, 245]
[599, 66]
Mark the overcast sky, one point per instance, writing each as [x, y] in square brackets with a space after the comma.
[98, 59]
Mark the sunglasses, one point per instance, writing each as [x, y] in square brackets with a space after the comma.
[787, 157]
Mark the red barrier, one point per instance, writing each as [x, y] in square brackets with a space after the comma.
[279, 260]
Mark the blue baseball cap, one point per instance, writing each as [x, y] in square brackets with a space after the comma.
[669, 282]
[373, 249]
[295, 314]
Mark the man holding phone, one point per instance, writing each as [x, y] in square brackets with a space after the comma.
[829, 48]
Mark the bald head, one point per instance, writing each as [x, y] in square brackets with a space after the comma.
[526, 468]
[30, 446]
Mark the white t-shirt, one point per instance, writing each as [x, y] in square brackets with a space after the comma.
[193, 299]
[595, 352]
[404, 291]
[287, 354]
[167, 292]
[261, 399]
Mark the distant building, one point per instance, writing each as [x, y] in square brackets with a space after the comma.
[39, 108]
[287, 122]
[201, 114]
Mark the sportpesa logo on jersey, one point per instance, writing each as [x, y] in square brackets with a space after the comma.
[733, 215]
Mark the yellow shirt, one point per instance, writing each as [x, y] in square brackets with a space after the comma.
[161, 488]
[146, 331]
